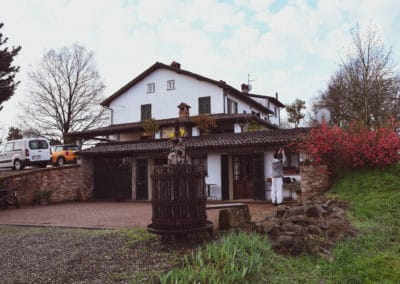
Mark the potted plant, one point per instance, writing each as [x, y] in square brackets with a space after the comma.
[42, 197]
[150, 127]
[205, 123]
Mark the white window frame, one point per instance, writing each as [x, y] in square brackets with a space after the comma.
[151, 87]
[170, 85]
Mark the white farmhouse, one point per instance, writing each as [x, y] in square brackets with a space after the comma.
[236, 152]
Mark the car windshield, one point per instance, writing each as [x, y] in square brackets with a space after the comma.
[38, 144]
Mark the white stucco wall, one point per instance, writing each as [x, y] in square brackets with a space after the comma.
[214, 174]
[126, 107]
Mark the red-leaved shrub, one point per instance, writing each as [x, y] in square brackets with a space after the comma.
[354, 146]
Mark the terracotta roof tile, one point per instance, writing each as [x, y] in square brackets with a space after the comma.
[229, 140]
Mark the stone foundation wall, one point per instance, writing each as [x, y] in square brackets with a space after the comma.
[66, 183]
[314, 181]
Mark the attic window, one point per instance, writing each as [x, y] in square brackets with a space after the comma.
[151, 87]
[170, 84]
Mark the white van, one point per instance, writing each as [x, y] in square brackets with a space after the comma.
[19, 153]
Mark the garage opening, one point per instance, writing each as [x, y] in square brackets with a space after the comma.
[113, 177]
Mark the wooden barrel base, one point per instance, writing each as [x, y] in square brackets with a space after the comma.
[208, 227]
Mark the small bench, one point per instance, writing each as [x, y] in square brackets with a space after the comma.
[8, 197]
[233, 215]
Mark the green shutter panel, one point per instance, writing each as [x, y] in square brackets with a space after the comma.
[225, 177]
[145, 112]
[204, 105]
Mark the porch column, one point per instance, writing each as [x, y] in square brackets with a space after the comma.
[133, 178]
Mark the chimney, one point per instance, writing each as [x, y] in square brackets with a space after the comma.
[245, 88]
[183, 112]
[276, 95]
[175, 65]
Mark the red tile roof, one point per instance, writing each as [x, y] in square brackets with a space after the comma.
[218, 141]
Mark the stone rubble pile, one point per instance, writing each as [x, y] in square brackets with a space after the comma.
[313, 227]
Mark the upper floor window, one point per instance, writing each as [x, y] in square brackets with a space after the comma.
[170, 84]
[204, 105]
[232, 106]
[145, 111]
[151, 87]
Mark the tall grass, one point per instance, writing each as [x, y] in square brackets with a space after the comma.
[235, 258]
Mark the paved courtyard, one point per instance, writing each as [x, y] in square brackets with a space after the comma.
[97, 214]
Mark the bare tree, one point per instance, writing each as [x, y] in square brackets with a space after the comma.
[294, 111]
[65, 93]
[366, 86]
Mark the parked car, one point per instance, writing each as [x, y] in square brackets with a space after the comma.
[17, 154]
[63, 154]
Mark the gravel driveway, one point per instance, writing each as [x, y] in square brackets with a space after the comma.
[63, 255]
[59, 255]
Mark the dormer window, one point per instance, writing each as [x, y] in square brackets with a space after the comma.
[171, 85]
[151, 87]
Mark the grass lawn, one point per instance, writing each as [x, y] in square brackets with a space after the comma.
[372, 257]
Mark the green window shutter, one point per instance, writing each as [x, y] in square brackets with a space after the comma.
[204, 105]
[145, 112]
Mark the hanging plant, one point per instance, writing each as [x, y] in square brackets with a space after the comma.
[150, 127]
[205, 123]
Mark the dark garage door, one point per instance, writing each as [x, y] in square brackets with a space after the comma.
[113, 177]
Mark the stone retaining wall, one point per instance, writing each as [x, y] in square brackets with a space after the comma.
[67, 183]
[314, 180]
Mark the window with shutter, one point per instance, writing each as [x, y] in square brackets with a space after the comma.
[204, 105]
[145, 112]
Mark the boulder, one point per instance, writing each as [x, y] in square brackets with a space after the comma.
[292, 245]
[233, 218]
[312, 211]
[294, 211]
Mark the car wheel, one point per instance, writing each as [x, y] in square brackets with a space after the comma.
[60, 161]
[18, 165]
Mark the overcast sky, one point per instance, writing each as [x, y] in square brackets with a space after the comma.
[289, 47]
